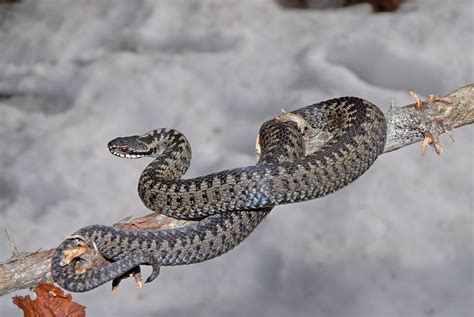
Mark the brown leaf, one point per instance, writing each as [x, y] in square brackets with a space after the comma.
[50, 302]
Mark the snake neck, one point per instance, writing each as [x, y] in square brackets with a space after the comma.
[172, 159]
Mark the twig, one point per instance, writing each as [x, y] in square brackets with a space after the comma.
[11, 242]
[420, 121]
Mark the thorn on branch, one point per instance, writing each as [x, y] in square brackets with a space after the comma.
[11, 242]
[450, 134]
[419, 103]
[135, 273]
[432, 120]
[433, 140]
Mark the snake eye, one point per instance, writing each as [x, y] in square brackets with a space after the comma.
[123, 149]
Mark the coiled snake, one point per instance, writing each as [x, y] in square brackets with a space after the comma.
[304, 154]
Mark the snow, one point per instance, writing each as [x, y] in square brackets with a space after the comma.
[76, 74]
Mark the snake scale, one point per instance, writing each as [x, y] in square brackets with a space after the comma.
[304, 154]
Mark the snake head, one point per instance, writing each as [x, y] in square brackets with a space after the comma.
[131, 147]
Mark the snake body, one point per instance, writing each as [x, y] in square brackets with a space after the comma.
[357, 130]
[350, 132]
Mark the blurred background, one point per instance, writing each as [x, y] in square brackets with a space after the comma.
[76, 74]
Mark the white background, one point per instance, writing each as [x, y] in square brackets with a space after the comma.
[75, 74]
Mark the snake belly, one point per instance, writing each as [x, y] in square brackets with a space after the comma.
[208, 238]
[355, 134]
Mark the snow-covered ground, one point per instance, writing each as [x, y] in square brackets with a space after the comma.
[75, 74]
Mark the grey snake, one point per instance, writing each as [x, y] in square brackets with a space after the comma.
[303, 154]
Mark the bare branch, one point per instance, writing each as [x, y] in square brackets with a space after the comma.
[415, 122]
[420, 121]
[25, 270]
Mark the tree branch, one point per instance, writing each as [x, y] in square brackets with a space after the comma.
[420, 121]
[429, 119]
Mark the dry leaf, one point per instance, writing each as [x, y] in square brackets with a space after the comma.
[50, 302]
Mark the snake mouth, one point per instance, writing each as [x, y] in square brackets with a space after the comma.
[126, 155]
[129, 156]
[119, 153]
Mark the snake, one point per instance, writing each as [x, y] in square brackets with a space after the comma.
[303, 154]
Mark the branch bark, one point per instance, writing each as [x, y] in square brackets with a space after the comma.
[420, 121]
[428, 119]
